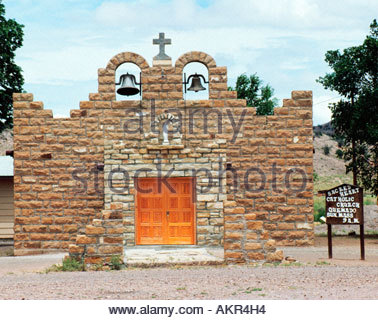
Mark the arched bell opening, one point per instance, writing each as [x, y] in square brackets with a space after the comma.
[195, 81]
[128, 82]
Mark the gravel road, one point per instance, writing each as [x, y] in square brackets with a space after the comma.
[344, 277]
[222, 282]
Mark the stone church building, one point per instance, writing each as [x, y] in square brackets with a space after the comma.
[162, 169]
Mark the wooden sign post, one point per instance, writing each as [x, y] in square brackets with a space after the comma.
[345, 205]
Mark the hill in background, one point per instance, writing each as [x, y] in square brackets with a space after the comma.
[325, 128]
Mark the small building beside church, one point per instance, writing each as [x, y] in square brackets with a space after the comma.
[162, 169]
[6, 198]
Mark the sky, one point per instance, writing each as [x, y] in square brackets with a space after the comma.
[283, 42]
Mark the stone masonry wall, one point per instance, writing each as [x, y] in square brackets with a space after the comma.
[52, 207]
[196, 155]
[272, 203]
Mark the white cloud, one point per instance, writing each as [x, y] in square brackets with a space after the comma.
[297, 64]
[77, 63]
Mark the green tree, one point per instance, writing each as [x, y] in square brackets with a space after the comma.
[355, 116]
[259, 96]
[11, 80]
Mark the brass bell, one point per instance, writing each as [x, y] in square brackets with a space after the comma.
[128, 82]
[196, 84]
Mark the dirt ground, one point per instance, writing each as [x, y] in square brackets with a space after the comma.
[327, 165]
[313, 277]
[337, 241]
[346, 252]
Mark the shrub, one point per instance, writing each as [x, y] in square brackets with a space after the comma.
[326, 150]
[71, 264]
[319, 208]
[116, 263]
[339, 153]
[315, 176]
[68, 264]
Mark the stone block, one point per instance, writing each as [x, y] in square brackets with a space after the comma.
[233, 255]
[22, 97]
[252, 246]
[301, 95]
[92, 230]
[276, 256]
[254, 225]
[83, 239]
[94, 260]
[256, 256]
[270, 245]
[115, 240]
[32, 244]
[111, 250]
[304, 226]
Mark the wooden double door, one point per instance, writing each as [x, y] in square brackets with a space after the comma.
[165, 211]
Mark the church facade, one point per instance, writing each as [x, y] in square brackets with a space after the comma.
[163, 170]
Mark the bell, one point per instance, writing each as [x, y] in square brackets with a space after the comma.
[196, 84]
[127, 87]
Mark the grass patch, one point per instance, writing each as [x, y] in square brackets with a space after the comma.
[291, 264]
[116, 263]
[71, 264]
[181, 288]
[319, 208]
[322, 263]
[68, 264]
[328, 182]
[281, 264]
[371, 233]
[369, 200]
[250, 290]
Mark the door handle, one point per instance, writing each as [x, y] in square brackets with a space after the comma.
[167, 213]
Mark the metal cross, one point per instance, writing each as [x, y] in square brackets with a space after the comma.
[162, 42]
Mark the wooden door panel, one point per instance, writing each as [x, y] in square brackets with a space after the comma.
[166, 217]
[157, 217]
[173, 203]
[186, 202]
[150, 214]
[187, 217]
[181, 212]
[145, 217]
